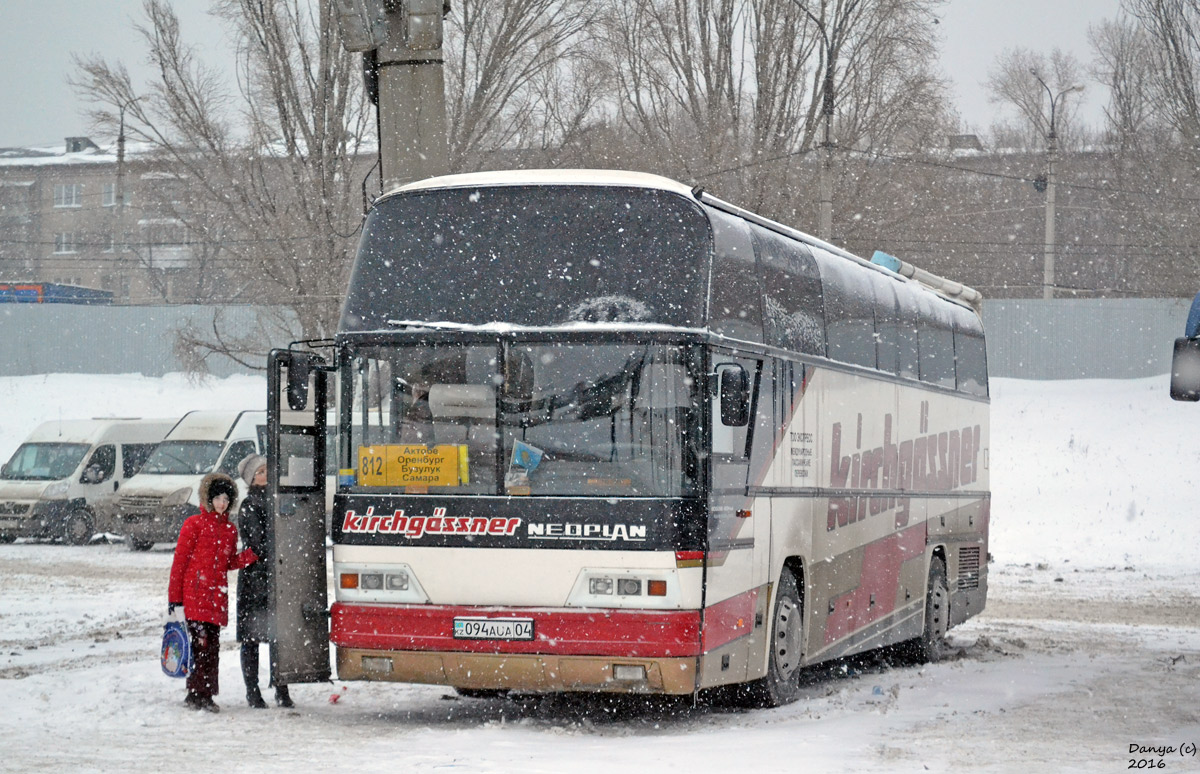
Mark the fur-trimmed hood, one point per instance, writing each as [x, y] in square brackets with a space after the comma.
[205, 493]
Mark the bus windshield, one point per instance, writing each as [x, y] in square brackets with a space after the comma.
[44, 461]
[531, 255]
[601, 420]
[183, 458]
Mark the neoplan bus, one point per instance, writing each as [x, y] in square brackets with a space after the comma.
[599, 431]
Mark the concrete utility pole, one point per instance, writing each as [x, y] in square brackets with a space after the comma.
[402, 45]
[825, 216]
[1051, 156]
[119, 242]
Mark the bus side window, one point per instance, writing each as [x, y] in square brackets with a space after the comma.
[849, 313]
[936, 343]
[887, 324]
[735, 306]
[970, 355]
[793, 310]
[906, 333]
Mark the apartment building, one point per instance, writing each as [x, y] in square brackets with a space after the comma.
[75, 214]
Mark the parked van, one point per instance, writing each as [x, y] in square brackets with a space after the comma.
[51, 486]
[152, 506]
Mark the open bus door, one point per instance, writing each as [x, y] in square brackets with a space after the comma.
[296, 417]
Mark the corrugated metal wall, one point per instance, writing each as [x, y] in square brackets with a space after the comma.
[65, 338]
[1094, 338]
[1030, 339]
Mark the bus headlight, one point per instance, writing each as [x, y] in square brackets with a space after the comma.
[390, 583]
[657, 589]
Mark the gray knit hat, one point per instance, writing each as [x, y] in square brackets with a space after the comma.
[249, 466]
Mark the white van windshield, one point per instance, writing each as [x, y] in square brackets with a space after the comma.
[183, 458]
[44, 461]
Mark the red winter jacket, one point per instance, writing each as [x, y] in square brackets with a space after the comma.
[204, 555]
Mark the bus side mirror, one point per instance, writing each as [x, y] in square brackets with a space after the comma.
[735, 396]
[297, 383]
[1185, 370]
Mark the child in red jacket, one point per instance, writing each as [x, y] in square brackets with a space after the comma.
[204, 555]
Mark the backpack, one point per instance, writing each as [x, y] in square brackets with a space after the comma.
[176, 654]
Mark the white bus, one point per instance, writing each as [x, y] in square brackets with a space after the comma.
[599, 431]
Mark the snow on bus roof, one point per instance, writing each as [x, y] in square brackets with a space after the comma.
[598, 177]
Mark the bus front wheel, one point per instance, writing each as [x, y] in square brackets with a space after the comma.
[781, 685]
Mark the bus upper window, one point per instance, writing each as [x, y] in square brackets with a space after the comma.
[531, 255]
[887, 323]
[849, 312]
[793, 310]
[735, 307]
[908, 349]
[936, 343]
[970, 357]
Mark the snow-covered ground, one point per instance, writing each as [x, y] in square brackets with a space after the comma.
[1090, 643]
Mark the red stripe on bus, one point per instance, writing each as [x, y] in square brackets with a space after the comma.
[730, 619]
[880, 578]
[627, 633]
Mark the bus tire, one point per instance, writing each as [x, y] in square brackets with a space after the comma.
[137, 544]
[78, 527]
[781, 685]
[931, 645]
[5, 538]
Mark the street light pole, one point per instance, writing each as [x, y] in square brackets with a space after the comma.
[1048, 250]
[119, 203]
[825, 215]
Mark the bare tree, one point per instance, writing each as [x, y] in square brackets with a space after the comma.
[1174, 29]
[1124, 63]
[271, 170]
[1014, 82]
[512, 72]
[731, 91]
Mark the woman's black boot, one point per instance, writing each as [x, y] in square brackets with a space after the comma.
[282, 698]
[254, 698]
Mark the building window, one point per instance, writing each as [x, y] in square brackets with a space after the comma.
[64, 242]
[68, 195]
[108, 195]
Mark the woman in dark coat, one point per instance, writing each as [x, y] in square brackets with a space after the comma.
[254, 583]
[204, 554]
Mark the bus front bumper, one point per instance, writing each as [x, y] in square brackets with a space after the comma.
[622, 651]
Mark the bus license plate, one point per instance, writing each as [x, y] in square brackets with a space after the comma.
[493, 628]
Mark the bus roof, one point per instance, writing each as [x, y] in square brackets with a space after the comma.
[600, 177]
[947, 289]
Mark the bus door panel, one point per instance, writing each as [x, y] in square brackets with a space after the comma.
[297, 390]
[730, 590]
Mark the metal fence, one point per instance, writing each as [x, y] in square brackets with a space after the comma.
[1027, 338]
[65, 338]
[1094, 338]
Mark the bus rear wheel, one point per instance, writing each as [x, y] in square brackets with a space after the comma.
[137, 544]
[781, 685]
[931, 645]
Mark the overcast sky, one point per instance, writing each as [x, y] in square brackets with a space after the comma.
[37, 38]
